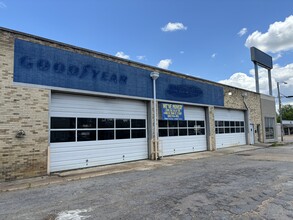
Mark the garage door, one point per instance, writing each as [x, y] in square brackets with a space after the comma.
[185, 136]
[230, 129]
[89, 131]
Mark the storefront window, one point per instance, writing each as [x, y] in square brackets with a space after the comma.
[269, 127]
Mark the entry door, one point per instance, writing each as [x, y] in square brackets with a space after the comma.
[251, 128]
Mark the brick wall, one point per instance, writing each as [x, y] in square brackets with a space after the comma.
[236, 101]
[23, 108]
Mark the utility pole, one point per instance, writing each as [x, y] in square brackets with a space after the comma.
[280, 110]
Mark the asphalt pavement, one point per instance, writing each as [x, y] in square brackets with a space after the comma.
[250, 182]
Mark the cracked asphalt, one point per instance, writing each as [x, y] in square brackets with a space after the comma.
[255, 184]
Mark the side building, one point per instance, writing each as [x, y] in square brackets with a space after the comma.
[65, 107]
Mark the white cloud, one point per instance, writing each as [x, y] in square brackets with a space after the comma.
[242, 32]
[279, 74]
[240, 80]
[164, 64]
[279, 37]
[141, 57]
[213, 55]
[278, 56]
[173, 27]
[122, 55]
[3, 5]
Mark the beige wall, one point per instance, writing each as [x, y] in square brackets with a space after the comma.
[21, 108]
[237, 100]
[268, 109]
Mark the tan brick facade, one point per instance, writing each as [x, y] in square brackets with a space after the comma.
[21, 108]
[236, 98]
[27, 108]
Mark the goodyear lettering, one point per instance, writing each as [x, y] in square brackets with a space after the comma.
[71, 70]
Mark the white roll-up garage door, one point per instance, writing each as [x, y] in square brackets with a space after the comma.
[178, 137]
[88, 131]
[230, 128]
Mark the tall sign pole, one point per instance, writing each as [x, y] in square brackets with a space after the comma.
[262, 59]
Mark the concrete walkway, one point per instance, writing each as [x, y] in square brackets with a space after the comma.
[63, 177]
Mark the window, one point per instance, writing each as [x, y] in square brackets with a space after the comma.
[138, 133]
[62, 136]
[138, 128]
[122, 123]
[86, 135]
[105, 134]
[70, 129]
[62, 129]
[62, 123]
[181, 128]
[227, 127]
[106, 123]
[137, 123]
[122, 134]
[86, 123]
[269, 127]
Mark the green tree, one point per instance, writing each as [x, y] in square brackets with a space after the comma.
[287, 113]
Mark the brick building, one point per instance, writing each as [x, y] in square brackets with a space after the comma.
[64, 107]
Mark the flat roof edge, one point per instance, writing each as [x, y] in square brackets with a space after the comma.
[152, 68]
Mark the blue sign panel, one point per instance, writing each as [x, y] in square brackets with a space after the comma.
[43, 65]
[172, 111]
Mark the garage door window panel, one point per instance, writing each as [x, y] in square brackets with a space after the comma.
[63, 123]
[106, 123]
[229, 127]
[122, 123]
[138, 128]
[183, 132]
[138, 133]
[105, 135]
[86, 135]
[122, 134]
[173, 132]
[86, 123]
[181, 128]
[138, 123]
[62, 136]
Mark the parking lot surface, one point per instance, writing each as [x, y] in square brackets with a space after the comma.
[252, 184]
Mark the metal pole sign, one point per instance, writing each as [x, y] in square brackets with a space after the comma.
[264, 60]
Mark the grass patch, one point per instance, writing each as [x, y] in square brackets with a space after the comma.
[277, 144]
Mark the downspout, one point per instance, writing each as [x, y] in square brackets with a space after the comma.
[247, 117]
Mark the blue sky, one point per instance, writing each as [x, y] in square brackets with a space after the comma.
[208, 38]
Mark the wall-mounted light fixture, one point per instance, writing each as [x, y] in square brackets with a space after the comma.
[20, 134]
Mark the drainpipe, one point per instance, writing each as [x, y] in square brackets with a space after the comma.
[247, 117]
[154, 76]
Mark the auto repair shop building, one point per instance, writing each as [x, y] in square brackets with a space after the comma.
[64, 107]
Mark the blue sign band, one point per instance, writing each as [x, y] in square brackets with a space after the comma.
[48, 66]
